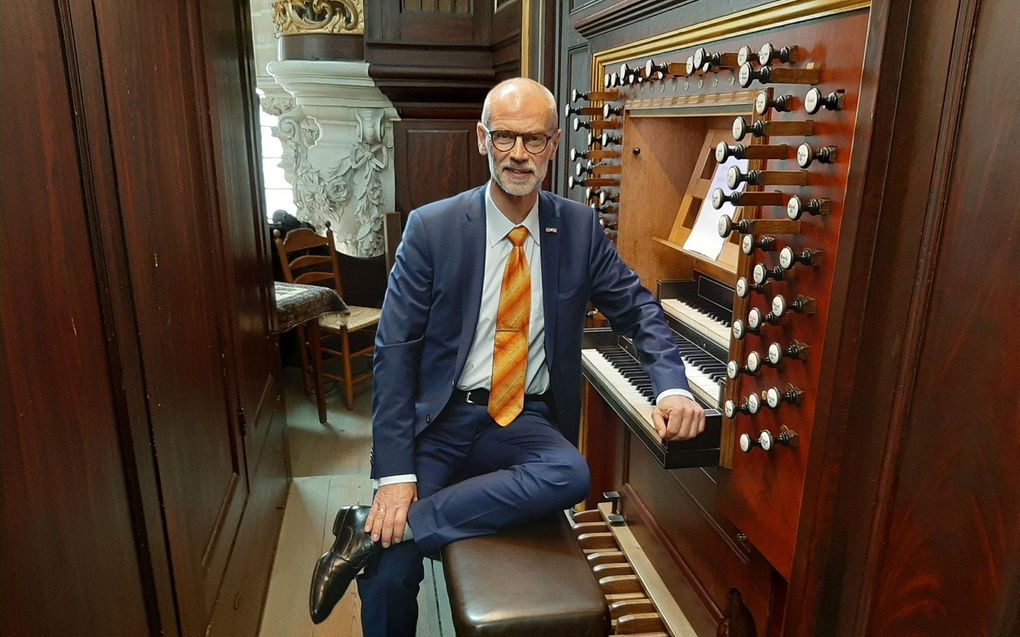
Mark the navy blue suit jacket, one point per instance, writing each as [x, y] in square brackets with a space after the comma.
[432, 302]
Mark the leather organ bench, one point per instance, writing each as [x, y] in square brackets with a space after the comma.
[531, 580]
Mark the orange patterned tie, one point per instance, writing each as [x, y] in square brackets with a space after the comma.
[510, 352]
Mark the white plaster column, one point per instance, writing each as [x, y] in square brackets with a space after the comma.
[342, 175]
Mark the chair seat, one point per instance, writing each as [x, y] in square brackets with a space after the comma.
[359, 318]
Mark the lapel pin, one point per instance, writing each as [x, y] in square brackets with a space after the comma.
[552, 230]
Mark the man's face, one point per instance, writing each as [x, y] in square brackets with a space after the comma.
[518, 171]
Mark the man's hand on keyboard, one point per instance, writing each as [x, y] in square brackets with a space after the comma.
[678, 418]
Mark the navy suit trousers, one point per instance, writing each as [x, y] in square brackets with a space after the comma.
[474, 478]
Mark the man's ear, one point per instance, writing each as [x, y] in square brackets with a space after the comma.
[483, 142]
[555, 141]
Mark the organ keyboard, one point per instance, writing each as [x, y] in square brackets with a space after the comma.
[609, 364]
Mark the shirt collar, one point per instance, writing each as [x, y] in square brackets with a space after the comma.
[497, 226]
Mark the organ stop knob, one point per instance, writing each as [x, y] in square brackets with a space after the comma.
[795, 350]
[772, 75]
[748, 442]
[764, 128]
[788, 257]
[745, 287]
[807, 154]
[738, 198]
[735, 177]
[769, 53]
[775, 397]
[800, 303]
[767, 441]
[762, 103]
[748, 244]
[724, 151]
[751, 406]
[796, 207]
[814, 101]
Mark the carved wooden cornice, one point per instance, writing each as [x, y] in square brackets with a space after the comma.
[338, 17]
[593, 19]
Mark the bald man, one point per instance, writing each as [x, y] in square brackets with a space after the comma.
[478, 371]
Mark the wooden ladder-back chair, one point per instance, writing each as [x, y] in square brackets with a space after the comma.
[309, 258]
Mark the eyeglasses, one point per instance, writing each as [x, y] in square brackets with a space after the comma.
[505, 140]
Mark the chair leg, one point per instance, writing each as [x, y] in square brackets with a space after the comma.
[348, 378]
[303, 345]
[316, 346]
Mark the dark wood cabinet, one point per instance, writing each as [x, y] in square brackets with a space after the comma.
[143, 464]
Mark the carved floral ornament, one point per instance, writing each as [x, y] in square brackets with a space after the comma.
[341, 17]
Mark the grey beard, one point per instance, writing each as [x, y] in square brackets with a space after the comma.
[514, 189]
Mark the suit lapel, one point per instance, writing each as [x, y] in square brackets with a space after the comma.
[548, 219]
[472, 267]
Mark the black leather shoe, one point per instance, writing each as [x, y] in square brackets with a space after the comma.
[336, 569]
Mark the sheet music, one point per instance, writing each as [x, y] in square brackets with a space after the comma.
[704, 238]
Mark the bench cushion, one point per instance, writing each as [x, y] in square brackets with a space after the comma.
[531, 580]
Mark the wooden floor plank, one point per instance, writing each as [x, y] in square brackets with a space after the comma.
[301, 537]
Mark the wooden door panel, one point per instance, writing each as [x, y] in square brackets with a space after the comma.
[67, 531]
[174, 253]
[949, 564]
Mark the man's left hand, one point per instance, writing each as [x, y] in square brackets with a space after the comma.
[678, 418]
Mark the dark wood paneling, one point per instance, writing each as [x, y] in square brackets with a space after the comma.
[67, 529]
[455, 166]
[161, 175]
[949, 559]
[506, 41]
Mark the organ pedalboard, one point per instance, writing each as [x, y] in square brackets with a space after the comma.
[778, 118]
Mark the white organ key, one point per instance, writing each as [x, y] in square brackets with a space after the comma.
[639, 407]
[716, 331]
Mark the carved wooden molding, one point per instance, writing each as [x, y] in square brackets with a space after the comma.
[338, 17]
[618, 14]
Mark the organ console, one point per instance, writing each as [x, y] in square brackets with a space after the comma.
[752, 374]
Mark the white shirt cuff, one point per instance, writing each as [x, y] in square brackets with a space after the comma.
[404, 477]
[674, 392]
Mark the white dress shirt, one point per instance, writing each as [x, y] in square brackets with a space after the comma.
[477, 372]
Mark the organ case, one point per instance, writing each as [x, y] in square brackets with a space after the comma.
[725, 534]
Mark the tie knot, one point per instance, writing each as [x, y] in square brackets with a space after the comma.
[518, 235]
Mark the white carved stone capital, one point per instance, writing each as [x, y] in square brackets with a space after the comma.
[343, 175]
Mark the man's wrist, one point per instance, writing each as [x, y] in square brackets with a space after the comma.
[673, 392]
[398, 479]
